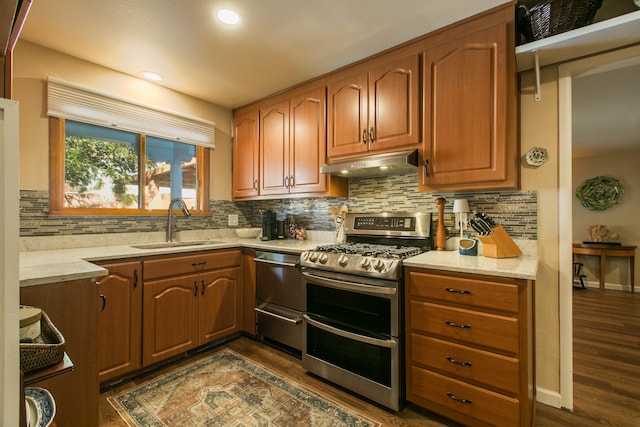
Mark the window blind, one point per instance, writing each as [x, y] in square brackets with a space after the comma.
[71, 101]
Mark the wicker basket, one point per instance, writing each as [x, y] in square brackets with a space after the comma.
[553, 17]
[39, 355]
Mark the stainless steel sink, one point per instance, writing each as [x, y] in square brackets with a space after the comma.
[162, 245]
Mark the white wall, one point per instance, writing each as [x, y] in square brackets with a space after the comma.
[620, 219]
[34, 63]
[9, 291]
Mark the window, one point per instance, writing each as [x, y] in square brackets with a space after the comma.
[100, 170]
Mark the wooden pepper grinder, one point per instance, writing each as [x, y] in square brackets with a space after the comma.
[441, 233]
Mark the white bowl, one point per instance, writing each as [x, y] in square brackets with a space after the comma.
[248, 233]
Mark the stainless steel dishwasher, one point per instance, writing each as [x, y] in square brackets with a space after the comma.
[280, 299]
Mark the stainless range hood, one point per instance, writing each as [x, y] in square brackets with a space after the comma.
[397, 163]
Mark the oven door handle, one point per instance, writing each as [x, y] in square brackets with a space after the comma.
[277, 316]
[350, 335]
[340, 284]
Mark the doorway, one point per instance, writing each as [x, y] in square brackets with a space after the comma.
[567, 74]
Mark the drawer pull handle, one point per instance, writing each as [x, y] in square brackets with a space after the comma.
[457, 362]
[456, 325]
[104, 302]
[456, 291]
[198, 264]
[195, 285]
[457, 399]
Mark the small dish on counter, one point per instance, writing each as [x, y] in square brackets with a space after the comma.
[248, 233]
[40, 407]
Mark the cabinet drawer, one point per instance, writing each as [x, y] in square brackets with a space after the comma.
[177, 265]
[472, 292]
[481, 404]
[490, 369]
[466, 326]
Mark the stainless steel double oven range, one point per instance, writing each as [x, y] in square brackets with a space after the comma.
[353, 324]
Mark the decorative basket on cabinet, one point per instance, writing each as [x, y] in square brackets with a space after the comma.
[553, 17]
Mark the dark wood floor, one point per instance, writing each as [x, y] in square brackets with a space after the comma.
[606, 371]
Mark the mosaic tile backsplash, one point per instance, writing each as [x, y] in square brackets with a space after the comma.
[515, 210]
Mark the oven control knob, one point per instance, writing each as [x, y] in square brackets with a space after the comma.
[365, 263]
[343, 260]
[313, 257]
[379, 265]
[323, 258]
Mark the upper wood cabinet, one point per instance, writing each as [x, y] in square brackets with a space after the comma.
[274, 153]
[245, 154]
[279, 146]
[374, 110]
[470, 139]
[293, 142]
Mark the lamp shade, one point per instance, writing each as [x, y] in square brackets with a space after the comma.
[461, 206]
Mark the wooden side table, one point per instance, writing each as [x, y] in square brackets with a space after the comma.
[604, 251]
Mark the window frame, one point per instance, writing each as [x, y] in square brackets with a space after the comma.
[57, 179]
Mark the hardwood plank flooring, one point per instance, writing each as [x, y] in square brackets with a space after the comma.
[606, 371]
[606, 362]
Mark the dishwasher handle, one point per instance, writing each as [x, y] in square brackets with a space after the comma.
[278, 316]
[279, 259]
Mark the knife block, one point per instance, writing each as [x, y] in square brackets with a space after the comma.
[499, 244]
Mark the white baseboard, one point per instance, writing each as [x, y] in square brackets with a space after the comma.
[548, 397]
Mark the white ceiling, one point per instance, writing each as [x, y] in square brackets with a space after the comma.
[278, 43]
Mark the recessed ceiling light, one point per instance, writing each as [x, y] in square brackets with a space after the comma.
[152, 76]
[228, 16]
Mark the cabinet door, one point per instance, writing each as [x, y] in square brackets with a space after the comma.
[465, 85]
[274, 153]
[308, 144]
[170, 317]
[347, 104]
[245, 154]
[73, 309]
[120, 320]
[220, 304]
[394, 104]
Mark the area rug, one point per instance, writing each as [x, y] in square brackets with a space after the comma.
[226, 389]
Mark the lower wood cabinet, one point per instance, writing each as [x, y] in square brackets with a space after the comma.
[73, 308]
[189, 301]
[120, 320]
[470, 346]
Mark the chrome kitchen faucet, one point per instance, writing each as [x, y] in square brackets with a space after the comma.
[185, 211]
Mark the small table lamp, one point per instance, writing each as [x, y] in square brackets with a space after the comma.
[461, 208]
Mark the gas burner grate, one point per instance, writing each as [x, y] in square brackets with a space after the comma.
[373, 250]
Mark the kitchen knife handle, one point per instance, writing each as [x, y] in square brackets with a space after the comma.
[364, 136]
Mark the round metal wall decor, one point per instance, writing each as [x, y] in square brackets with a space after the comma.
[600, 193]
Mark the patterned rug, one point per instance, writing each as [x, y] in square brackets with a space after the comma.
[226, 389]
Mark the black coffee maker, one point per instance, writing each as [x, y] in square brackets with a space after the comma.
[268, 223]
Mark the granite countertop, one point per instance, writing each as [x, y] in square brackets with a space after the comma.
[73, 258]
[43, 266]
[522, 267]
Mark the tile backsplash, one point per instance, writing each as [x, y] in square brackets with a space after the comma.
[515, 210]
